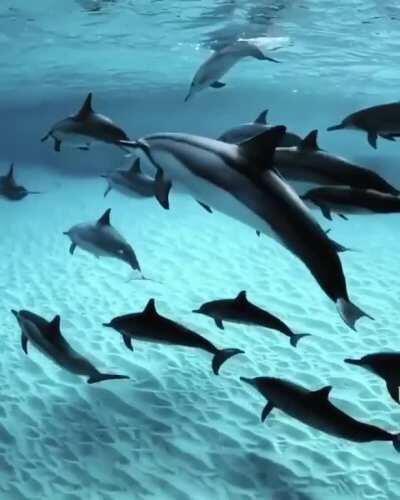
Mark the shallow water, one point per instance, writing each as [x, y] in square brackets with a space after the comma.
[175, 431]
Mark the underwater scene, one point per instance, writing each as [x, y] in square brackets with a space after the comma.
[199, 203]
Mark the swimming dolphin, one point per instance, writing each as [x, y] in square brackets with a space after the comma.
[220, 62]
[240, 310]
[240, 181]
[102, 240]
[382, 121]
[150, 326]
[246, 131]
[387, 366]
[47, 338]
[345, 200]
[307, 166]
[10, 189]
[314, 409]
[84, 128]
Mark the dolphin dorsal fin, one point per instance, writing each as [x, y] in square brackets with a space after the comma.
[135, 168]
[309, 143]
[10, 174]
[54, 325]
[86, 108]
[261, 148]
[150, 308]
[105, 218]
[241, 296]
[262, 117]
[323, 393]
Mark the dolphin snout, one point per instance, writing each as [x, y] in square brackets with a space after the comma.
[335, 127]
[108, 325]
[357, 362]
[197, 311]
[15, 313]
[249, 381]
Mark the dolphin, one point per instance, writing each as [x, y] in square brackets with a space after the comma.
[135, 184]
[382, 121]
[150, 326]
[220, 62]
[240, 310]
[240, 181]
[46, 336]
[102, 240]
[10, 189]
[246, 131]
[387, 366]
[310, 165]
[84, 128]
[346, 200]
[314, 409]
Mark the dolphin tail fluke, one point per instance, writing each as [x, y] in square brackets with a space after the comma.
[295, 337]
[100, 377]
[336, 127]
[44, 138]
[223, 355]
[396, 442]
[350, 313]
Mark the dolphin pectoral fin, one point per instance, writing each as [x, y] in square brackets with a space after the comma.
[128, 342]
[72, 248]
[217, 85]
[44, 138]
[24, 343]
[162, 187]
[219, 323]
[100, 377]
[350, 313]
[83, 148]
[221, 356]
[57, 145]
[388, 137]
[394, 391]
[206, 207]
[266, 411]
[342, 216]
[107, 191]
[325, 211]
[396, 442]
[372, 139]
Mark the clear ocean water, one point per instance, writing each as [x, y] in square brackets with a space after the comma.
[174, 430]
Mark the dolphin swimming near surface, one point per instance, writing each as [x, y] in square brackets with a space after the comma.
[150, 326]
[220, 62]
[307, 166]
[46, 336]
[84, 128]
[240, 181]
[382, 120]
[240, 310]
[10, 189]
[246, 131]
[313, 408]
[387, 366]
[346, 200]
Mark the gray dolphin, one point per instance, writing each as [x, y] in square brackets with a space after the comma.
[102, 240]
[387, 366]
[10, 189]
[240, 181]
[246, 131]
[346, 200]
[220, 62]
[150, 326]
[313, 408]
[47, 338]
[240, 310]
[310, 165]
[84, 128]
[382, 121]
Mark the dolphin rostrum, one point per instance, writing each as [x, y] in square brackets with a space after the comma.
[220, 62]
[84, 128]
[246, 131]
[382, 121]
[240, 181]
[10, 189]
[387, 366]
[313, 408]
[310, 165]
[46, 336]
[240, 310]
[150, 326]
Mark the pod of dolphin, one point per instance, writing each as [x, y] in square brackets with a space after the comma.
[255, 173]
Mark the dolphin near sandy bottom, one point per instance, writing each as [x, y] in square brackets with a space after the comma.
[240, 181]
[150, 326]
[377, 121]
[46, 336]
[240, 310]
[385, 365]
[308, 165]
[86, 127]
[220, 62]
[10, 189]
[344, 200]
[246, 131]
[101, 239]
[313, 408]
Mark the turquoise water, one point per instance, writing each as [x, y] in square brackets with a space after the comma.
[175, 431]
